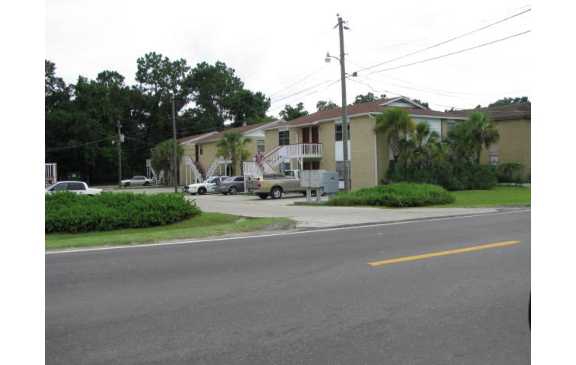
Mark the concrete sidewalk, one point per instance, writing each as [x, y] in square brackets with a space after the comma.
[321, 216]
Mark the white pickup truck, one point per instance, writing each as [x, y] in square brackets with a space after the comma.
[77, 187]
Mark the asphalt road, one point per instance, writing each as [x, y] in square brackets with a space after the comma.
[307, 298]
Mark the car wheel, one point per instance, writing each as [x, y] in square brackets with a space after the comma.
[202, 191]
[147, 183]
[276, 192]
[127, 184]
[262, 196]
[224, 193]
[233, 190]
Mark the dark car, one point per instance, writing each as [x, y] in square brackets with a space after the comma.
[232, 185]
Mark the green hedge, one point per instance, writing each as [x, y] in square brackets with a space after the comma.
[395, 195]
[510, 172]
[451, 176]
[68, 212]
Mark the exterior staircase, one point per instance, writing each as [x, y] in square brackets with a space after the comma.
[215, 164]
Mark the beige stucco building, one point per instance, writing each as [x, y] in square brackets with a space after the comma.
[315, 141]
[513, 125]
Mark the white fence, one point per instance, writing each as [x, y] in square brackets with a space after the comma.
[51, 174]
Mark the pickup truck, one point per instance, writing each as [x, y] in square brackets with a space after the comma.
[77, 187]
[277, 185]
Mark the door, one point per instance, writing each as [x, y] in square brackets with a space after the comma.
[310, 135]
[197, 152]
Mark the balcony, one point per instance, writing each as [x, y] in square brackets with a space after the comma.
[303, 150]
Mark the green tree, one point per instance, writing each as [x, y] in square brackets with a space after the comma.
[247, 107]
[289, 112]
[369, 97]
[508, 101]
[162, 157]
[468, 138]
[397, 125]
[326, 105]
[233, 147]
[423, 103]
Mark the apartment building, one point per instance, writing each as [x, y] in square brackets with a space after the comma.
[315, 141]
[513, 124]
[200, 152]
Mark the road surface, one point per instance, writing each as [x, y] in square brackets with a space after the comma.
[457, 295]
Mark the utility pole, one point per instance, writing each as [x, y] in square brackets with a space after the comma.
[120, 140]
[174, 157]
[345, 136]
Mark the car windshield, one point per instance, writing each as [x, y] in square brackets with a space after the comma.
[229, 179]
[214, 180]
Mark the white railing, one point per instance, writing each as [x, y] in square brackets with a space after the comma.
[50, 174]
[191, 173]
[215, 164]
[304, 150]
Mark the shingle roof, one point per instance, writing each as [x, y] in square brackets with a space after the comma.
[215, 136]
[503, 112]
[364, 108]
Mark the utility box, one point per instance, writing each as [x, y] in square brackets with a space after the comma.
[323, 180]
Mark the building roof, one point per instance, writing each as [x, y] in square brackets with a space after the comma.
[376, 106]
[216, 136]
[503, 112]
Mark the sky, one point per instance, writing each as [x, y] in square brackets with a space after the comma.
[279, 48]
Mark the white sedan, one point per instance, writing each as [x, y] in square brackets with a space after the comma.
[208, 186]
[77, 187]
[137, 180]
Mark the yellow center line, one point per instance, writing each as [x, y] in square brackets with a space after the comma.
[443, 253]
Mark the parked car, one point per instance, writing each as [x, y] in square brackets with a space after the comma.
[208, 186]
[277, 185]
[137, 180]
[77, 187]
[232, 185]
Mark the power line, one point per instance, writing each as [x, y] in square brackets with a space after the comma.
[446, 41]
[77, 146]
[303, 91]
[451, 53]
[297, 82]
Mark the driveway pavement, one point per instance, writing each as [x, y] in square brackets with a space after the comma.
[320, 216]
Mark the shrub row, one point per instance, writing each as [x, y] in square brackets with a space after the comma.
[68, 212]
[449, 175]
[510, 172]
[395, 195]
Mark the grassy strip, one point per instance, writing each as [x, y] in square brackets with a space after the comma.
[497, 197]
[204, 225]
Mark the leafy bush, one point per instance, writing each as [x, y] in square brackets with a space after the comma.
[395, 195]
[68, 212]
[510, 172]
[449, 175]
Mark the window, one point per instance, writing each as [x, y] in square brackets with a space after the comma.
[283, 138]
[338, 131]
[451, 124]
[260, 147]
[239, 178]
[494, 159]
[311, 165]
[59, 187]
[75, 186]
[340, 169]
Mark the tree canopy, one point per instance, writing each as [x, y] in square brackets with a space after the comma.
[322, 105]
[81, 118]
[508, 101]
[367, 98]
[289, 112]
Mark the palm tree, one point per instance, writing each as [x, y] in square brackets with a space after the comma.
[233, 147]
[397, 124]
[483, 132]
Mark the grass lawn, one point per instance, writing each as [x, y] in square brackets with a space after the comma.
[498, 196]
[204, 225]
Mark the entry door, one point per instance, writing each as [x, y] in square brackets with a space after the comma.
[197, 152]
[310, 135]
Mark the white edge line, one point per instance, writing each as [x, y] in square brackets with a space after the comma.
[308, 231]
